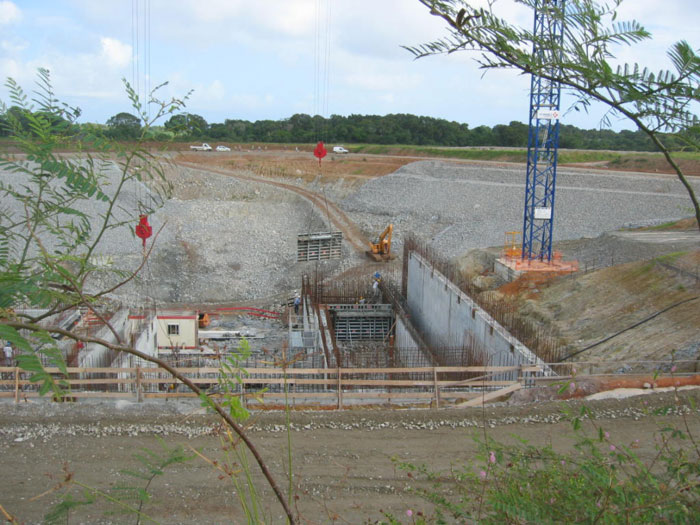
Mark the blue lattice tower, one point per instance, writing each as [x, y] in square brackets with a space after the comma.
[543, 137]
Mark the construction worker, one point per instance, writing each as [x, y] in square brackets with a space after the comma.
[297, 302]
[375, 287]
[7, 351]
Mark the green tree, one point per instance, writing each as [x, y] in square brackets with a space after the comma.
[187, 124]
[582, 63]
[124, 126]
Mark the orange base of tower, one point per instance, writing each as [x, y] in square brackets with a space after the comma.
[517, 265]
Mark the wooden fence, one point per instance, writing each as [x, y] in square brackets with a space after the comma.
[333, 387]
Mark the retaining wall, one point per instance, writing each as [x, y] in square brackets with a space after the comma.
[448, 318]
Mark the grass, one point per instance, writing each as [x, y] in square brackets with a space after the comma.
[670, 257]
[515, 154]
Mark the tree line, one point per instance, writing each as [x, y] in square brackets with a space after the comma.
[362, 129]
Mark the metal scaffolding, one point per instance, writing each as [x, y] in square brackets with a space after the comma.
[319, 246]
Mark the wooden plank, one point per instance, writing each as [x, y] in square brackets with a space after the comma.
[482, 369]
[98, 394]
[334, 382]
[436, 389]
[477, 383]
[481, 399]
[112, 381]
[138, 384]
[71, 394]
[340, 388]
[388, 395]
[77, 370]
[298, 395]
[354, 395]
[169, 394]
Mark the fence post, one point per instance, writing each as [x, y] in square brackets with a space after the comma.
[16, 384]
[340, 389]
[436, 388]
[138, 385]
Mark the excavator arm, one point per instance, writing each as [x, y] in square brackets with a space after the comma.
[381, 250]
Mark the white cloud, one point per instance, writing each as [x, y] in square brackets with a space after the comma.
[212, 92]
[12, 48]
[10, 68]
[115, 52]
[9, 13]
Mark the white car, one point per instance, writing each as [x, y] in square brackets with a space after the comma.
[223, 148]
[339, 149]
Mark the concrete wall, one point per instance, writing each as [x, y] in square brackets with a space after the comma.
[94, 355]
[403, 336]
[447, 317]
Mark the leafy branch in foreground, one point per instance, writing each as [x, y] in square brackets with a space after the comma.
[603, 480]
[583, 63]
[55, 213]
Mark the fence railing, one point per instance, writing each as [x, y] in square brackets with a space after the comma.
[320, 386]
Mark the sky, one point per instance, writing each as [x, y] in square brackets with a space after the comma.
[270, 59]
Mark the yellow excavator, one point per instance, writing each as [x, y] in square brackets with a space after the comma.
[381, 250]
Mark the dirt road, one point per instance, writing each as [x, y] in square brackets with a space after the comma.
[342, 461]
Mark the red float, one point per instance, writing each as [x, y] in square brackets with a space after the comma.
[320, 151]
[143, 229]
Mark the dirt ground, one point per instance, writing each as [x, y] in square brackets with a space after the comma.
[361, 165]
[342, 461]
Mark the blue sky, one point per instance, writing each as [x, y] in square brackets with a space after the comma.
[256, 60]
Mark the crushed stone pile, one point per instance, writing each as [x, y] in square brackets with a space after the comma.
[460, 206]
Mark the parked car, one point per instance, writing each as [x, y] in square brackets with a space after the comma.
[223, 148]
[339, 149]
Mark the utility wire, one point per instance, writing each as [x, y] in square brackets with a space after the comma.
[635, 325]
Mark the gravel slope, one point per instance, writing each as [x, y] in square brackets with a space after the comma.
[459, 206]
[226, 240]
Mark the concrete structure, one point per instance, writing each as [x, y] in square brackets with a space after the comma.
[447, 317]
[177, 330]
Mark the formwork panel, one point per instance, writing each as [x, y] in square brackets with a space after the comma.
[319, 246]
[362, 328]
[361, 322]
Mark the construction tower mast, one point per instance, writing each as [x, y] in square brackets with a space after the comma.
[543, 137]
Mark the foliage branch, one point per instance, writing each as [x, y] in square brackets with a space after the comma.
[50, 240]
[583, 63]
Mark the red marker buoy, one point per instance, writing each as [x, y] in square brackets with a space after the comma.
[320, 151]
[143, 229]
